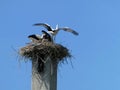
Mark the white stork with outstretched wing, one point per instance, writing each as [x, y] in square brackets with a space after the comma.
[54, 32]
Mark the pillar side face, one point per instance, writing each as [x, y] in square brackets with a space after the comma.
[53, 80]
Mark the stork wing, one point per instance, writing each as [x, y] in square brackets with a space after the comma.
[44, 25]
[45, 32]
[69, 30]
[35, 36]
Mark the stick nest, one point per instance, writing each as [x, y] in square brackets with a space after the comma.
[42, 50]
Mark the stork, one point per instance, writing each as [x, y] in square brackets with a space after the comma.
[46, 36]
[35, 38]
[55, 31]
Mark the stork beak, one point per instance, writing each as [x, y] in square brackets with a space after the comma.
[56, 26]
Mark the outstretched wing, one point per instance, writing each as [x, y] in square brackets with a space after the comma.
[44, 25]
[69, 30]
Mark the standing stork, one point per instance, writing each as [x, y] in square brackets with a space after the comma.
[55, 31]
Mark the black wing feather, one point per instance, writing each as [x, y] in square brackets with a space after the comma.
[44, 25]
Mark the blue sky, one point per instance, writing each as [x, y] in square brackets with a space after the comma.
[96, 62]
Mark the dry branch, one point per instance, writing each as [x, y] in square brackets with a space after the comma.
[41, 50]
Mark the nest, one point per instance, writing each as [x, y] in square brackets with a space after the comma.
[42, 50]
